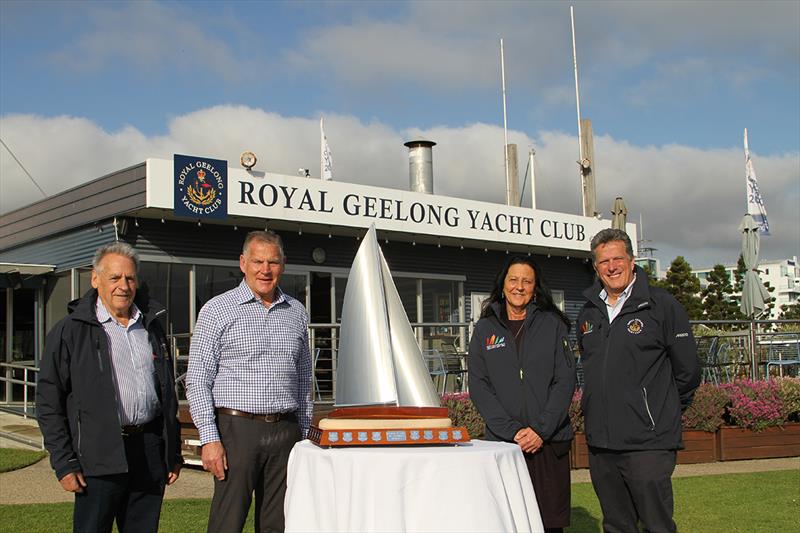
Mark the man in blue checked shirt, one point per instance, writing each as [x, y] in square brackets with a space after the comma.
[249, 388]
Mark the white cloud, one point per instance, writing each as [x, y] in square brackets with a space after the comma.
[151, 36]
[692, 199]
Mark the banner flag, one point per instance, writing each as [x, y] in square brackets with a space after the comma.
[326, 159]
[755, 203]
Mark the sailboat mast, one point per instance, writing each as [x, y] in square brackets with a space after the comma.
[577, 90]
[505, 115]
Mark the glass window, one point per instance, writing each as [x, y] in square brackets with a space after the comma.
[168, 284]
[56, 298]
[23, 342]
[439, 304]
[341, 286]
[84, 281]
[3, 319]
[213, 280]
[295, 286]
[407, 289]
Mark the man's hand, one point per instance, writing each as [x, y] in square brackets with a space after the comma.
[172, 477]
[528, 440]
[73, 482]
[214, 459]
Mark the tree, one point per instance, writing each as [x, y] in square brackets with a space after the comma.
[790, 311]
[738, 275]
[684, 286]
[718, 301]
[769, 304]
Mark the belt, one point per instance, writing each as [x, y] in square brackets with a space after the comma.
[128, 431]
[269, 417]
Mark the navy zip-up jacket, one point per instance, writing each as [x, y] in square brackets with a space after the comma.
[76, 399]
[640, 371]
[533, 390]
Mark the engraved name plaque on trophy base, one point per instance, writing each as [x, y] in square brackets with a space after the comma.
[387, 425]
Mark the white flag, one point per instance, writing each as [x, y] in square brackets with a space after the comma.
[326, 159]
[755, 203]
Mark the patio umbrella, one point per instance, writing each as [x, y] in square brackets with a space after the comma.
[753, 291]
[619, 214]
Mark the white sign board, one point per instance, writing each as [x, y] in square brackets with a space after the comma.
[334, 203]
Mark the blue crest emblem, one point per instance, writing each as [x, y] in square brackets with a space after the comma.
[200, 187]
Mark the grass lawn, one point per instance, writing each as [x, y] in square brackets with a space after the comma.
[14, 459]
[757, 502]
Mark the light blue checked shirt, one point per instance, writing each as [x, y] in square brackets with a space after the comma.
[248, 357]
[132, 366]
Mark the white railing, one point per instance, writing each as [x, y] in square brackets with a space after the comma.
[9, 375]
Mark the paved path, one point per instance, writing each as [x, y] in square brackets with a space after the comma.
[37, 484]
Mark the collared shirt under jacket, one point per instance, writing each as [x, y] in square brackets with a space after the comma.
[640, 371]
[76, 397]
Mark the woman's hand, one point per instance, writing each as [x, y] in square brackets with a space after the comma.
[528, 440]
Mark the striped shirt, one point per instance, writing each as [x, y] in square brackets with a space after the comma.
[248, 357]
[132, 366]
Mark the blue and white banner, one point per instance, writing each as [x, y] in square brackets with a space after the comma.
[326, 159]
[755, 203]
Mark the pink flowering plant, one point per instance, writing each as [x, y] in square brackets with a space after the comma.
[463, 412]
[707, 411]
[754, 405]
[576, 412]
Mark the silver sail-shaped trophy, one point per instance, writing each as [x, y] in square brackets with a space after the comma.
[379, 360]
[384, 392]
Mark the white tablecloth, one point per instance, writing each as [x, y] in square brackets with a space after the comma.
[480, 487]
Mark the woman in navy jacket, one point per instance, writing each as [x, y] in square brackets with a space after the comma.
[521, 379]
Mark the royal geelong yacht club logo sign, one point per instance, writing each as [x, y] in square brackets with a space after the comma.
[200, 187]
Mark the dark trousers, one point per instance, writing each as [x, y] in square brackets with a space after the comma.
[633, 487]
[133, 499]
[549, 471]
[258, 456]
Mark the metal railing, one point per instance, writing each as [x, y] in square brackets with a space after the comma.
[447, 337]
[754, 349]
[24, 403]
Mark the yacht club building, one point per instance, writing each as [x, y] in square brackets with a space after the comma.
[188, 216]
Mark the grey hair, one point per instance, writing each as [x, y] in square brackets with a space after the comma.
[265, 236]
[119, 248]
[609, 235]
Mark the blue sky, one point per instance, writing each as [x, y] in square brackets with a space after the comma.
[669, 87]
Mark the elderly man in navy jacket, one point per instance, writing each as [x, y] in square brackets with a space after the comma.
[640, 371]
[106, 401]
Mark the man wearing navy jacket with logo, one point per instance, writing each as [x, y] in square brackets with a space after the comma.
[106, 401]
[640, 373]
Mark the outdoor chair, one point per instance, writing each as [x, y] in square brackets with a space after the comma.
[707, 348]
[783, 354]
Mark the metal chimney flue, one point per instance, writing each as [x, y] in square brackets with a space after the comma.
[420, 165]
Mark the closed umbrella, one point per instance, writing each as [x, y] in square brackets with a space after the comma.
[619, 214]
[753, 291]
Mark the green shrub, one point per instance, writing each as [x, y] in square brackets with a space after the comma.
[707, 409]
[789, 393]
[463, 412]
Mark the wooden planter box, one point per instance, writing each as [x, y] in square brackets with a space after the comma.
[778, 441]
[579, 454]
[700, 447]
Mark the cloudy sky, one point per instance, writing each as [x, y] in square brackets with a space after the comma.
[87, 88]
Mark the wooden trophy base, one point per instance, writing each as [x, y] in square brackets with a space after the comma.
[382, 426]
